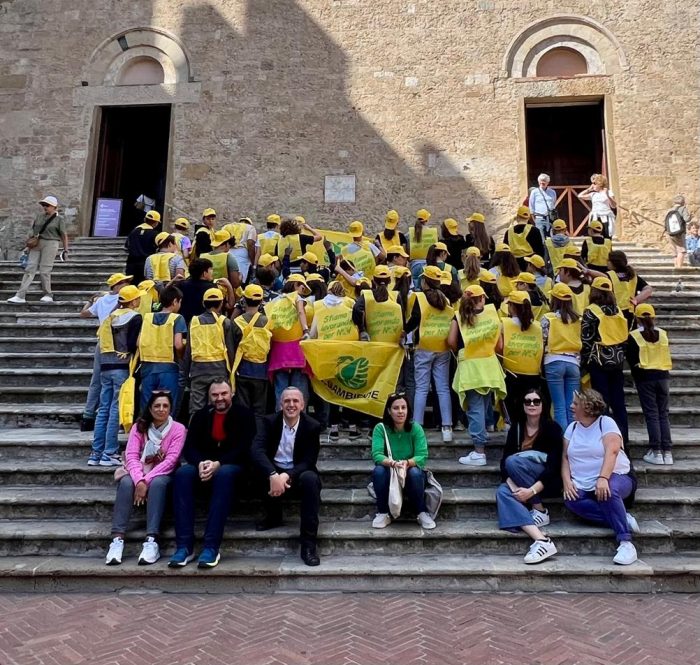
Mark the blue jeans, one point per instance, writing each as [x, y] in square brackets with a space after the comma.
[563, 378]
[222, 487]
[288, 378]
[544, 226]
[93, 397]
[511, 513]
[427, 363]
[168, 380]
[477, 408]
[611, 513]
[414, 489]
[105, 439]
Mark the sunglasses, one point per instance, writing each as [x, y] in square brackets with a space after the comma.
[160, 393]
[401, 394]
[535, 401]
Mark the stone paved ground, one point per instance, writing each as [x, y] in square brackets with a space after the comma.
[335, 629]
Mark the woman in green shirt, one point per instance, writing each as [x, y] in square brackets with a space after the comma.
[409, 449]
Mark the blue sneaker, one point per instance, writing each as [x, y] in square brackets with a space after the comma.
[94, 459]
[110, 460]
[181, 558]
[208, 558]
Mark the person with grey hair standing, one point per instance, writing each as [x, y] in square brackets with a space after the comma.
[542, 204]
[675, 224]
[48, 229]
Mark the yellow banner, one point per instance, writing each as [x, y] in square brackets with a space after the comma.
[357, 375]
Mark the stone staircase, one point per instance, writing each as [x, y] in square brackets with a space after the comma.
[55, 510]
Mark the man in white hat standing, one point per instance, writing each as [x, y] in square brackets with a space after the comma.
[47, 230]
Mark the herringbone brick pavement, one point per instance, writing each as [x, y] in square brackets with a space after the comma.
[362, 629]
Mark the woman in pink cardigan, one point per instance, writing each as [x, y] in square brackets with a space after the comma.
[152, 453]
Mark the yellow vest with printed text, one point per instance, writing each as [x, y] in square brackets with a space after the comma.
[653, 355]
[383, 320]
[563, 337]
[419, 248]
[522, 349]
[613, 328]
[335, 323]
[362, 259]
[434, 325]
[156, 342]
[283, 318]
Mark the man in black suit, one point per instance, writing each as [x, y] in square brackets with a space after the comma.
[285, 452]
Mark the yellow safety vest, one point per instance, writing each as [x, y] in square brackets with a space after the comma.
[434, 325]
[335, 323]
[464, 282]
[362, 259]
[388, 244]
[612, 327]
[547, 287]
[220, 263]
[178, 241]
[383, 320]
[104, 332]
[156, 342]
[653, 355]
[598, 254]
[283, 318]
[147, 300]
[504, 284]
[480, 340]
[207, 342]
[348, 288]
[268, 244]
[624, 291]
[556, 254]
[580, 300]
[236, 231]
[563, 337]
[293, 241]
[202, 230]
[160, 263]
[419, 250]
[254, 347]
[518, 242]
[522, 349]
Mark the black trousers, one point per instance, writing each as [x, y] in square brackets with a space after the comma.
[610, 383]
[653, 396]
[136, 267]
[306, 488]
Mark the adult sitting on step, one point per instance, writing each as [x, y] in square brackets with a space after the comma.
[598, 478]
[152, 453]
[216, 451]
[531, 471]
[140, 244]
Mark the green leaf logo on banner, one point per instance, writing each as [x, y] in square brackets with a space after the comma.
[352, 372]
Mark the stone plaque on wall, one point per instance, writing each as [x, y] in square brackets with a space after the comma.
[339, 189]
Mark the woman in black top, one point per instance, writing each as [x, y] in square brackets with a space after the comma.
[455, 242]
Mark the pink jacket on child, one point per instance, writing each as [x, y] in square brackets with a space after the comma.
[171, 446]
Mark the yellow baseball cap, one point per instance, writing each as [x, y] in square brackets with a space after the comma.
[432, 272]
[602, 284]
[154, 215]
[423, 215]
[446, 277]
[645, 309]
[130, 293]
[273, 219]
[161, 237]
[363, 281]
[473, 251]
[213, 295]
[474, 291]
[502, 247]
[487, 276]
[182, 223]
[452, 225]
[561, 291]
[299, 219]
[118, 277]
[397, 249]
[299, 279]
[391, 220]
[536, 260]
[220, 237]
[595, 225]
[209, 212]
[253, 292]
[441, 247]
[356, 229]
[382, 271]
[401, 271]
[267, 259]
[309, 257]
[476, 217]
[526, 278]
[569, 263]
[518, 297]
[559, 225]
[572, 250]
[314, 277]
[523, 212]
[146, 285]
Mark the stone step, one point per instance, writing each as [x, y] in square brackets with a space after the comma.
[470, 536]
[34, 306]
[47, 345]
[53, 377]
[24, 360]
[96, 503]
[81, 295]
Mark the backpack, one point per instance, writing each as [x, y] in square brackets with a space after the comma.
[674, 223]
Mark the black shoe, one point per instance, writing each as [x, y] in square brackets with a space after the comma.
[87, 425]
[268, 523]
[354, 433]
[309, 555]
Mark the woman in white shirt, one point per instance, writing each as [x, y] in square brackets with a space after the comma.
[602, 203]
[597, 474]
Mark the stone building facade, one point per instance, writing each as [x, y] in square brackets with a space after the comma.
[422, 103]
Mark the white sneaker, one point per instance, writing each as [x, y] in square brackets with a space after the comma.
[652, 457]
[426, 521]
[150, 552]
[474, 459]
[633, 524]
[540, 518]
[381, 521]
[46, 298]
[446, 434]
[116, 549]
[540, 550]
[17, 300]
[626, 553]
[668, 458]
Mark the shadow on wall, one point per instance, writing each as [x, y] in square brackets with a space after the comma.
[275, 118]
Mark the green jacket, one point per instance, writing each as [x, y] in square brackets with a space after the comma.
[404, 445]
